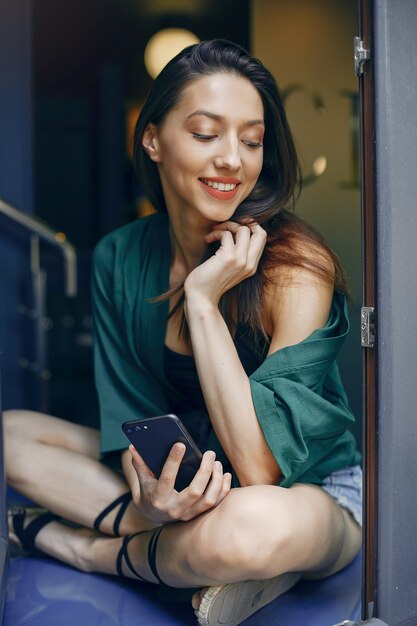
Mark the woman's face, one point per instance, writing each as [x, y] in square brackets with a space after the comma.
[209, 147]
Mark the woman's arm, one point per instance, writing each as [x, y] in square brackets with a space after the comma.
[227, 394]
[297, 307]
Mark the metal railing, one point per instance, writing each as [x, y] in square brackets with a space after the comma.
[55, 238]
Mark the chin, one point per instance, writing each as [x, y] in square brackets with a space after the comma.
[220, 214]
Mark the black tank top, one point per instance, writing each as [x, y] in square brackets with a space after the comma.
[181, 372]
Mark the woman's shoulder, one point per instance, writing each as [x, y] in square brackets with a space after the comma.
[296, 255]
[300, 282]
[298, 261]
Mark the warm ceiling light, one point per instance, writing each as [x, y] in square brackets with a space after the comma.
[319, 165]
[164, 45]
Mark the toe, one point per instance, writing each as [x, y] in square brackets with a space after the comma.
[196, 600]
[12, 534]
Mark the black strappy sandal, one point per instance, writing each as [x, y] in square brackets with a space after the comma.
[123, 554]
[28, 535]
[152, 555]
[123, 501]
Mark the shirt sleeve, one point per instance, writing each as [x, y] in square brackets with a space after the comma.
[124, 387]
[300, 401]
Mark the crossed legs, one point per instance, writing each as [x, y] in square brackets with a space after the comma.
[255, 533]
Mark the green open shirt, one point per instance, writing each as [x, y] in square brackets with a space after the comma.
[297, 392]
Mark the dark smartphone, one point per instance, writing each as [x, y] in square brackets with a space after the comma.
[154, 437]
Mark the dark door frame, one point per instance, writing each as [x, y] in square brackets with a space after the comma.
[366, 106]
[389, 208]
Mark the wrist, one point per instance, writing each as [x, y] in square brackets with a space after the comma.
[197, 304]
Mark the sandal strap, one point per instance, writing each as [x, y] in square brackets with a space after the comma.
[123, 501]
[28, 535]
[152, 555]
[124, 554]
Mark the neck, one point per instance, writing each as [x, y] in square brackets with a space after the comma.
[187, 239]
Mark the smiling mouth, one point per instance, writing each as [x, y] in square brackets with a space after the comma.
[218, 189]
[217, 185]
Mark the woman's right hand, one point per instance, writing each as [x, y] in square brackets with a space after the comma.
[161, 503]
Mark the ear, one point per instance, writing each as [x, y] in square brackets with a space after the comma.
[150, 143]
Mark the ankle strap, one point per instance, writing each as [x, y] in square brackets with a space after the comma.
[27, 535]
[124, 501]
[152, 555]
[123, 553]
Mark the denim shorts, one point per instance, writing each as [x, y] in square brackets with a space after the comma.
[345, 486]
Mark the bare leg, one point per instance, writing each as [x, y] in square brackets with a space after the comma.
[55, 463]
[255, 533]
[259, 532]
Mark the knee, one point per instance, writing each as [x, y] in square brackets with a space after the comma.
[17, 429]
[23, 426]
[246, 536]
[18, 422]
[260, 528]
[11, 419]
[11, 429]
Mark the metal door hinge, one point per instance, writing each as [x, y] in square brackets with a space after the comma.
[367, 327]
[361, 55]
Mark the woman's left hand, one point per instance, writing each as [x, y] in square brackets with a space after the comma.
[157, 499]
[237, 258]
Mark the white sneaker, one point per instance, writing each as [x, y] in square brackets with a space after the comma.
[229, 605]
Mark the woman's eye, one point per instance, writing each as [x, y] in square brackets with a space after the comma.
[203, 137]
[253, 144]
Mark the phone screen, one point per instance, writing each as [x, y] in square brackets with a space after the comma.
[154, 437]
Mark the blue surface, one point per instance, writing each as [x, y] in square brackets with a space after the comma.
[42, 592]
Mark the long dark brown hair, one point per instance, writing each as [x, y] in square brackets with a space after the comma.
[290, 241]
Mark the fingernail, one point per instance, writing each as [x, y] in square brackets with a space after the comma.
[211, 455]
[218, 466]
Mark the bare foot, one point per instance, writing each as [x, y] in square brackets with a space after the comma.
[196, 599]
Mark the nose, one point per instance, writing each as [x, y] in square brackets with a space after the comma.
[228, 156]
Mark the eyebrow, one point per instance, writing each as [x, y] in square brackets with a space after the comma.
[216, 117]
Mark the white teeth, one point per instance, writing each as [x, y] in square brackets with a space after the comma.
[219, 186]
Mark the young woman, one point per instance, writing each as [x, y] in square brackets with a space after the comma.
[226, 309]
